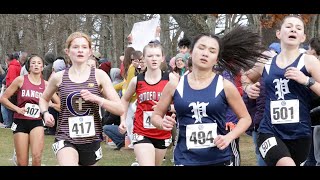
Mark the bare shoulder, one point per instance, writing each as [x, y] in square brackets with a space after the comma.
[310, 59]
[228, 87]
[311, 63]
[56, 78]
[227, 83]
[19, 79]
[101, 76]
[174, 80]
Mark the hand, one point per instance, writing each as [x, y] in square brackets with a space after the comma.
[168, 122]
[122, 128]
[48, 119]
[253, 90]
[21, 110]
[155, 104]
[88, 96]
[295, 74]
[222, 142]
[158, 30]
[130, 38]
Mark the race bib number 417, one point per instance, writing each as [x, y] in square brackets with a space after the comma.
[81, 126]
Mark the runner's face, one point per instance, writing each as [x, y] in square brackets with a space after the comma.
[36, 65]
[153, 57]
[79, 51]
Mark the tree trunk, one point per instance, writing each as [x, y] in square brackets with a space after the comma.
[211, 22]
[165, 34]
[192, 24]
[117, 36]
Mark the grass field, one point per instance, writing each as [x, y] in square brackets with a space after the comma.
[110, 156]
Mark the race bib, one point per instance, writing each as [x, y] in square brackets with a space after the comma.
[57, 146]
[32, 110]
[267, 145]
[98, 153]
[284, 111]
[147, 120]
[81, 126]
[200, 136]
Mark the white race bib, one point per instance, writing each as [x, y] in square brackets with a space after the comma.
[267, 145]
[147, 120]
[98, 153]
[57, 146]
[200, 136]
[284, 111]
[32, 110]
[81, 126]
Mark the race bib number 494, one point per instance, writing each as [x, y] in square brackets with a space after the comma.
[81, 126]
[201, 135]
[284, 111]
[32, 110]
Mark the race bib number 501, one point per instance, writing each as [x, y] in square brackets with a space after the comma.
[284, 111]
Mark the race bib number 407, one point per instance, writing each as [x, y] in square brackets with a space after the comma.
[284, 111]
[201, 135]
[81, 126]
[32, 110]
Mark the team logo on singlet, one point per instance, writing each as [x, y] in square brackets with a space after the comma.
[281, 87]
[80, 103]
[199, 110]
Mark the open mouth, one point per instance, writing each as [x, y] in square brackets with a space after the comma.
[292, 37]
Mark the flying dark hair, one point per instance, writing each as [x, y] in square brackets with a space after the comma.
[239, 50]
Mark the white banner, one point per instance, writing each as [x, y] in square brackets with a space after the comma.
[143, 32]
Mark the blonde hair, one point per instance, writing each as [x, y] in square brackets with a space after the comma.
[77, 35]
[152, 45]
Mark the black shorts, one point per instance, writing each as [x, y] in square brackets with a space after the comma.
[157, 143]
[272, 148]
[89, 153]
[25, 126]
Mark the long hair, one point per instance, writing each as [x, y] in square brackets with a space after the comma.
[240, 49]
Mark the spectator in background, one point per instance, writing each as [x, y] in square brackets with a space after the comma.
[96, 55]
[274, 49]
[92, 62]
[314, 154]
[111, 122]
[136, 57]
[2, 76]
[184, 45]
[14, 69]
[58, 65]
[22, 59]
[49, 59]
[105, 65]
[181, 64]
